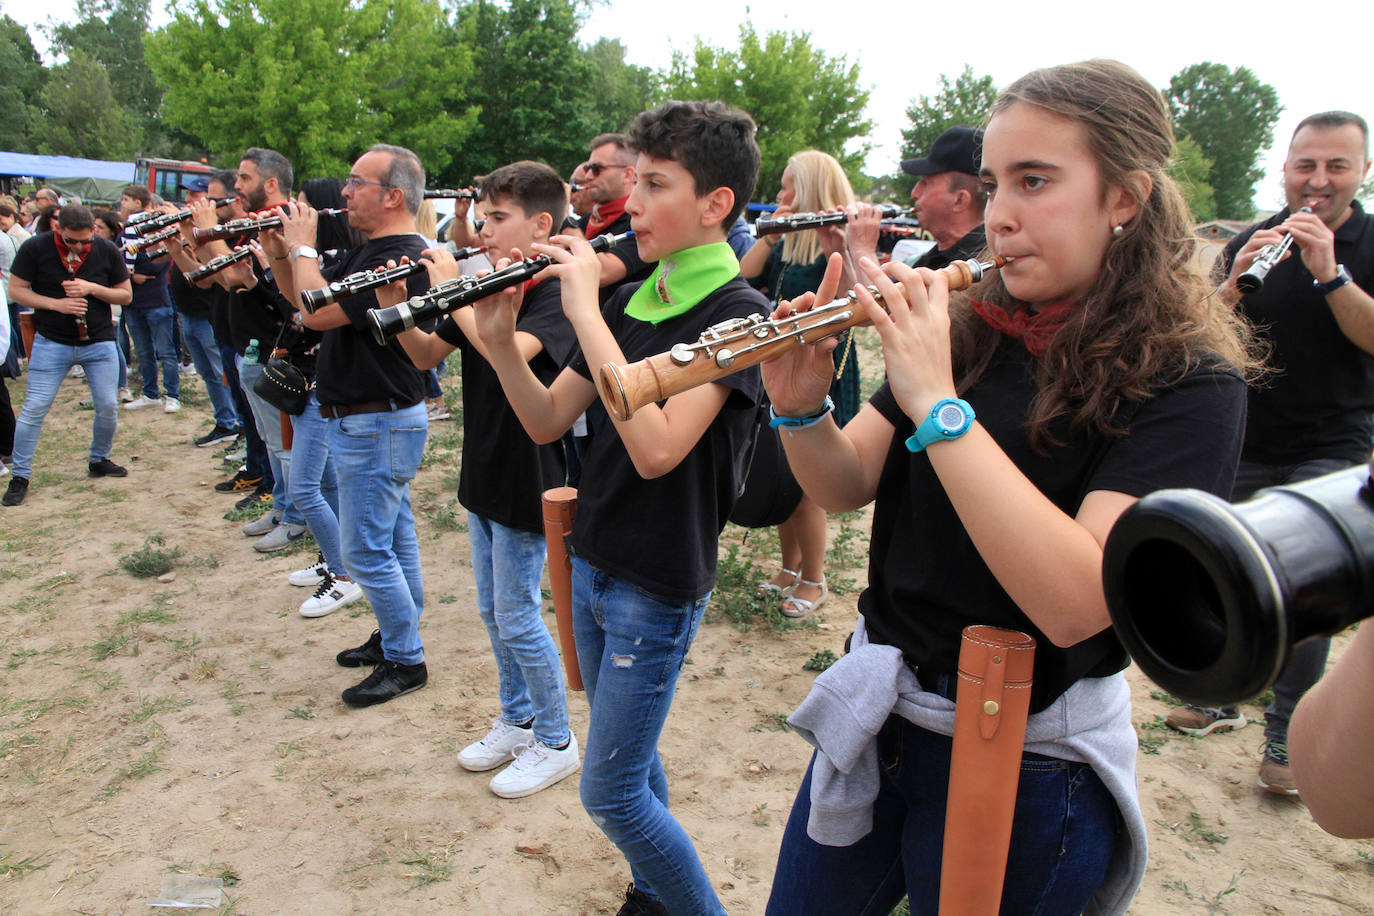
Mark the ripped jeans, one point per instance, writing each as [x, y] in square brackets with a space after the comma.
[631, 647]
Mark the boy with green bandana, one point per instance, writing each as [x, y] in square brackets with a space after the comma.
[657, 488]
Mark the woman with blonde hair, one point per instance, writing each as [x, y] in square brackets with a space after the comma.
[813, 182]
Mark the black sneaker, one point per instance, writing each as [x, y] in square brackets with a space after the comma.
[638, 903]
[17, 490]
[106, 468]
[238, 483]
[260, 494]
[369, 653]
[216, 435]
[387, 681]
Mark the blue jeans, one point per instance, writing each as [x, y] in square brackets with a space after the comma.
[507, 564]
[151, 330]
[375, 456]
[49, 364]
[268, 419]
[257, 462]
[204, 349]
[631, 647]
[314, 484]
[1307, 664]
[1063, 832]
[122, 348]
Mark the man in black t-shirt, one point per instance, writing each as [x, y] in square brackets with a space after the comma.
[948, 198]
[1315, 415]
[70, 279]
[373, 400]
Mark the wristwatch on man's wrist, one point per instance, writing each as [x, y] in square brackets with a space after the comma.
[1330, 286]
[302, 251]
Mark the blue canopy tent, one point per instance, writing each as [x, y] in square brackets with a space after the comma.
[89, 179]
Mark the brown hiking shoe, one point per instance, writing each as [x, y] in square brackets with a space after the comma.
[1274, 773]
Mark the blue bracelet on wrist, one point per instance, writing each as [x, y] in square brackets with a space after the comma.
[778, 422]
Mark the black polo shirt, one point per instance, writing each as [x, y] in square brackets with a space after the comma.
[37, 262]
[1319, 402]
[967, 247]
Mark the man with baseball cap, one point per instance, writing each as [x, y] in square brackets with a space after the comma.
[949, 202]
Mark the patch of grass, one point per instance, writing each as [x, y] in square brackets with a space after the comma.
[1164, 696]
[1153, 735]
[301, 712]
[429, 867]
[151, 560]
[771, 721]
[146, 765]
[760, 815]
[149, 707]
[12, 867]
[249, 512]
[448, 517]
[110, 645]
[820, 661]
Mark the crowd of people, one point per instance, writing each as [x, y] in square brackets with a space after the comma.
[1015, 423]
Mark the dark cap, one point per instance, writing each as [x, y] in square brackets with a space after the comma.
[198, 183]
[959, 149]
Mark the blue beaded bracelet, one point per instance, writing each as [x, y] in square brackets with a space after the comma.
[778, 422]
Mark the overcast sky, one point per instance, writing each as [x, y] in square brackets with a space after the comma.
[1312, 55]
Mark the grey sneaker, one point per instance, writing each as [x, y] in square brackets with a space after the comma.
[262, 524]
[279, 538]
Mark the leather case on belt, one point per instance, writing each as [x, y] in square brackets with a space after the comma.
[992, 704]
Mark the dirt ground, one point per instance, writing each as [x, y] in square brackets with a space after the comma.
[194, 726]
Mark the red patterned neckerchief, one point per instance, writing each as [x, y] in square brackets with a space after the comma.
[1034, 329]
[69, 258]
[604, 215]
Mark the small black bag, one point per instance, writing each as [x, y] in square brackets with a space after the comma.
[770, 492]
[283, 386]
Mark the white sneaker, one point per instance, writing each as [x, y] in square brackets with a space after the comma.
[310, 576]
[76, 371]
[4, 469]
[170, 405]
[262, 524]
[332, 594]
[141, 402]
[125, 395]
[496, 748]
[537, 766]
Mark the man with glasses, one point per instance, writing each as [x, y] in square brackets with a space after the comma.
[70, 279]
[611, 175]
[373, 400]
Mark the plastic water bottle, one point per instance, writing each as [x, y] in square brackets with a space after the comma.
[250, 356]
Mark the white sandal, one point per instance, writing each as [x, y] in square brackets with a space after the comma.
[801, 607]
[772, 591]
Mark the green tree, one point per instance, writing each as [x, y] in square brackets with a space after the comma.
[1230, 114]
[1191, 170]
[532, 81]
[619, 90]
[24, 79]
[111, 32]
[318, 80]
[80, 116]
[800, 97]
[966, 100]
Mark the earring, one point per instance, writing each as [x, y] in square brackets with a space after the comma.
[1117, 230]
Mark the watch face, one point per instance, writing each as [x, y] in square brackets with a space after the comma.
[951, 417]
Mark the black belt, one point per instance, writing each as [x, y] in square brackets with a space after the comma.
[946, 685]
[335, 411]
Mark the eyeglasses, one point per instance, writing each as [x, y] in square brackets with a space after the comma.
[596, 168]
[77, 243]
[351, 182]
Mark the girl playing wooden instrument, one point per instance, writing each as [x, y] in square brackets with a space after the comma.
[1099, 371]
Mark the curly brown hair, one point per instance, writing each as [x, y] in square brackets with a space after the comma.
[1148, 318]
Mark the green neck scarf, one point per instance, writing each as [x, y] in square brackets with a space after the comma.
[681, 280]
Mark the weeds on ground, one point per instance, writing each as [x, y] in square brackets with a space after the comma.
[151, 560]
[1153, 735]
[820, 661]
[736, 597]
[11, 867]
[448, 517]
[429, 867]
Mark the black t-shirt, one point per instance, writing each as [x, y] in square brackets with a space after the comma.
[39, 263]
[257, 313]
[220, 301]
[636, 268]
[152, 293]
[503, 471]
[967, 247]
[188, 298]
[352, 368]
[661, 535]
[927, 581]
[1320, 401]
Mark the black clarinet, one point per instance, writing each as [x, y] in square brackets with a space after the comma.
[243, 226]
[364, 280]
[460, 291]
[798, 221]
[211, 268]
[151, 221]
